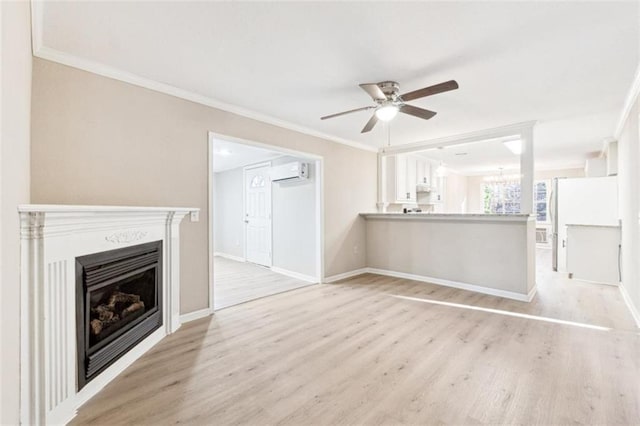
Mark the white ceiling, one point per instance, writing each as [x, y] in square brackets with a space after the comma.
[568, 65]
[485, 157]
[238, 155]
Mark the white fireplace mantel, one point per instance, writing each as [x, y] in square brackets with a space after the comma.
[52, 237]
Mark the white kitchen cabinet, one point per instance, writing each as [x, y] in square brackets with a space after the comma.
[593, 253]
[423, 172]
[401, 179]
[404, 172]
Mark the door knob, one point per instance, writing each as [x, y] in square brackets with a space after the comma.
[246, 221]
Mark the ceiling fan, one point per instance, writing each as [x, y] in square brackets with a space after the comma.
[389, 102]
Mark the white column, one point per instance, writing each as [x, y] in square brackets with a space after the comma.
[527, 171]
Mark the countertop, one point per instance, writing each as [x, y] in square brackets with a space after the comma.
[458, 217]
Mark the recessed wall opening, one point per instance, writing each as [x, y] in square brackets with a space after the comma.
[266, 211]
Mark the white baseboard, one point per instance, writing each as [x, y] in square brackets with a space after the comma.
[345, 275]
[456, 284]
[192, 316]
[438, 281]
[532, 293]
[230, 256]
[296, 275]
[594, 282]
[634, 312]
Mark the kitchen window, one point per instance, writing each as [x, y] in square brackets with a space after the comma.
[503, 197]
[541, 200]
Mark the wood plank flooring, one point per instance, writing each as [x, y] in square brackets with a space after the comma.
[353, 353]
[238, 282]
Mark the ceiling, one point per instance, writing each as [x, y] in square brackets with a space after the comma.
[485, 157]
[568, 65]
[230, 155]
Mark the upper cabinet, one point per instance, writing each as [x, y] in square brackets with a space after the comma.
[403, 173]
[422, 170]
[401, 178]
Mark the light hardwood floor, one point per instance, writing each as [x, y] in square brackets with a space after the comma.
[238, 282]
[353, 353]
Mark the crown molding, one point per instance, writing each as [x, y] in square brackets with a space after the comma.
[632, 96]
[63, 58]
[74, 61]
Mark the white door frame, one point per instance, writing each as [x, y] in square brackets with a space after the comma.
[319, 163]
[244, 210]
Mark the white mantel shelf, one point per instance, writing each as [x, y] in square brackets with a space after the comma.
[52, 237]
[452, 217]
[65, 208]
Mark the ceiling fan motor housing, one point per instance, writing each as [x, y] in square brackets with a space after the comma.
[390, 89]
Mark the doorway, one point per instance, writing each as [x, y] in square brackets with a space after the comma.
[265, 216]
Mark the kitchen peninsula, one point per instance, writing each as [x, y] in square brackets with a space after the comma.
[487, 253]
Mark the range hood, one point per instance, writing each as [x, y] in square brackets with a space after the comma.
[424, 187]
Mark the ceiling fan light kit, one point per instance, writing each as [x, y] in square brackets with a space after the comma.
[389, 102]
[387, 112]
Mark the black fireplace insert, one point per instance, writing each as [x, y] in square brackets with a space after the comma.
[119, 303]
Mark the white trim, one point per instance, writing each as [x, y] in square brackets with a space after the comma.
[437, 281]
[70, 60]
[195, 315]
[455, 284]
[345, 275]
[480, 135]
[627, 300]
[319, 222]
[36, 26]
[287, 151]
[210, 223]
[594, 282]
[229, 256]
[296, 275]
[630, 100]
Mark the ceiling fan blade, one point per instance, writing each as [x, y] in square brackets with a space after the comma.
[372, 122]
[374, 91]
[417, 112]
[346, 112]
[431, 90]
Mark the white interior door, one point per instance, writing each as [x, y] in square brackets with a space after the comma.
[257, 215]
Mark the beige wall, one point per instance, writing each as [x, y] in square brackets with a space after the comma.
[495, 255]
[15, 89]
[101, 141]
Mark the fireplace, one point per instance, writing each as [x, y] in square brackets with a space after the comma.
[119, 303]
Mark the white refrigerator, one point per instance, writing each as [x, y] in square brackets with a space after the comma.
[584, 202]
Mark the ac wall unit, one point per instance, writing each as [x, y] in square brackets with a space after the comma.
[290, 172]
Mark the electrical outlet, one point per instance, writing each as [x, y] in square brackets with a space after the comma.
[195, 216]
[356, 249]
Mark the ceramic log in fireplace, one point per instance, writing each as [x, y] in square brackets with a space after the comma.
[119, 303]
